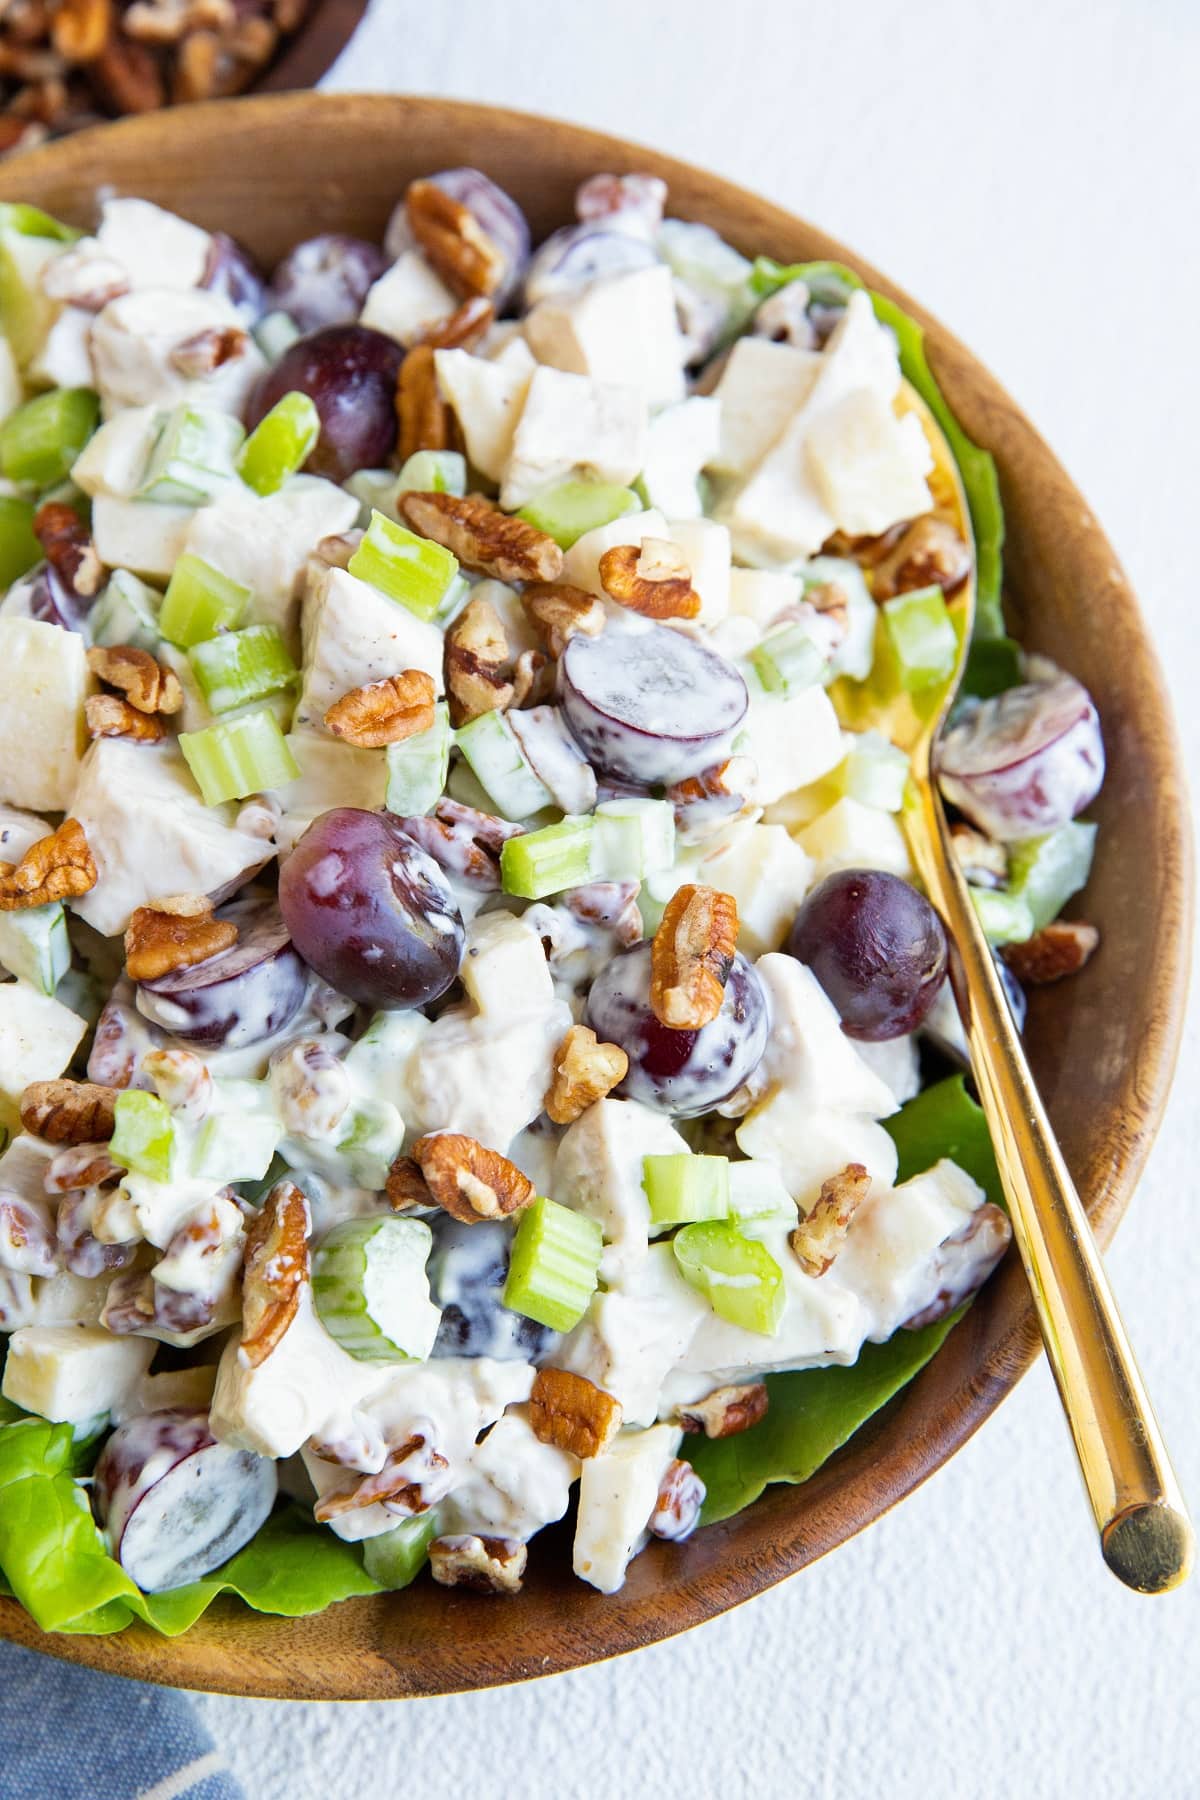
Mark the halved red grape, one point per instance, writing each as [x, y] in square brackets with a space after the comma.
[370, 911]
[245, 994]
[877, 948]
[495, 212]
[1025, 761]
[576, 255]
[232, 273]
[324, 280]
[679, 1072]
[648, 705]
[175, 1503]
[43, 595]
[349, 372]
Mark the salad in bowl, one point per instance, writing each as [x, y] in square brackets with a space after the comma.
[475, 1048]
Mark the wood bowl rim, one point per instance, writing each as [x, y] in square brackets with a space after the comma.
[311, 51]
[220, 1653]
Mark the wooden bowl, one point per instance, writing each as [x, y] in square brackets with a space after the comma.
[275, 170]
[312, 50]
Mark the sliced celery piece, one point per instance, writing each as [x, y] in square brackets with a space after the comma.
[143, 1139]
[19, 549]
[411, 569]
[417, 767]
[126, 613]
[631, 839]
[684, 1189]
[235, 1146]
[1006, 918]
[492, 750]
[396, 1557]
[31, 221]
[922, 637]
[433, 472]
[40, 441]
[279, 444]
[193, 458]
[199, 602]
[737, 1275]
[565, 512]
[275, 333]
[34, 945]
[376, 490]
[241, 756]
[547, 861]
[555, 1260]
[370, 1141]
[757, 1194]
[787, 661]
[1046, 871]
[239, 666]
[371, 1291]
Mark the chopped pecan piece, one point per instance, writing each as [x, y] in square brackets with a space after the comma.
[677, 1509]
[454, 242]
[57, 867]
[145, 683]
[410, 1481]
[930, 552]
[532, 679]
[79, 1166]
[275, 1271]
[584, 1071]
[476, 657]
[463, 841]
[69, 1112]
[406, 1186]
[484, 539]
[423, 418]
[80, 29]
[69, 547]
[182, 1080]
[108, 716]
[650, 578]
[818, 1237]
[128, 77]
[207, 350]
[610, 903]
[468, 1180]
[487, 1565]
[337, 550]
[572, 1413]
[463, 329]
[691, 956]
[982, 861]
[384, 712]
[727, 1410]
[1056, 950]
[559, 610]
[157, 941]
[704, 803]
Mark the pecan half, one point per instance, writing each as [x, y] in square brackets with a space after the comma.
[650, 578]
[406, 1186]
[423, 419]
[704, 803]
[468, 1180]
[727, 1410]
[210, 349]
[572, 1413]
[145, 683]
[584, 1071]
[274, 1272]
[128, 77]
[69, 1112]
[79, 1166]
[558, 611]
[57, 867]
[108, 716]
[609, 903]
[476, 657]
[157, 941]
[677, 1509]
[384, 712]
[79, 29]
[337, 550]
[454, 242]
[691, 956]
[532, 679]
[982, 861]
[411, 1479]
[463, 841]
[818, 1237]
[69, 547]
[487, 1565]
[484, 539]
[930, 552]
[463, 329]
[1056, 950]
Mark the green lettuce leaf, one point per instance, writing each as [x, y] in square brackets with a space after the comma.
[943, 1120]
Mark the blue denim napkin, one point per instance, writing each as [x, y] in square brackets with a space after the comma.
[73, 1734]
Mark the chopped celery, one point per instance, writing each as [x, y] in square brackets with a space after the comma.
[411, 569]
[19, 549]
[631, 839]
[547, 861]
[199, 602]
[238, 757]
[279, 444]
[565, 512]
[433, 472]
[26, 312]
[31, 221]
[126, 613]
[874, 772]
[683, 1189]
[240, 666]
[922, 637]
[235, 1146]
[396, 1557]
[737, 1275]
[40, 441]
[193, 458]
[757, 1193]
[788, 661]
[371, 1136]
[275, 333]
[417, 767]
[1046, 871]
[34, 945]
[493, 751]
[555, 1260]
[1006, 918]
[143, 1139]
[371, 1290]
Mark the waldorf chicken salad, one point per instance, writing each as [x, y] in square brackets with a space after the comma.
[472, 1048]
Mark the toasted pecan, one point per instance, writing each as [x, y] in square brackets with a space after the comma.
[424, 420]
[557, 610]
[677, 1508]
[274, 1272]
[406, 1186]
[727, 1410]
[146, 683]
[453, 241]
[476, 660]
[468, 1180]
[69, 1112]
[929, 553]
[819, 1236]
[384, 712]
[572, 1413]
[58, 867]
[585, 1070]
[198, 355]
[650, 578]
[463, 329]
[108, 716]
[484, 539]
[691, 956]
[487, 1565]
[69, 549]
[158, 941]
[1056, 950]
[80, 29]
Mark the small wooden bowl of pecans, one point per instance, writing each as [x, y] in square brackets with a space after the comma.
[65, 64]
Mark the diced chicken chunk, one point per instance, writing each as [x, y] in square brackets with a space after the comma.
[624, 330]
[487, 398]
[407, 300]
[44, 682]
[135, 346]
[354, 634]
[598, 1171]
[70, 1373]
[574, 426]
[38, 1038]
[617, 1495]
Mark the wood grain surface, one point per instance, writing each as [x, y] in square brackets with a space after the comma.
[1103, 1045]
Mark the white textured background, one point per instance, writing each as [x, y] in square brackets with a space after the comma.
[1029, 170]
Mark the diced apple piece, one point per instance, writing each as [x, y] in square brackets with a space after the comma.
[64, 357]
[761, 594]
[618, 1492]
[28, 313]
[573, 426]
[354, 634]
[624, 329]
[705, 547]
[140, 535]
[681, 441]
[114, 458]
[70, 1373]
[156, 248]
[598, 1171]
[581, 565]
[407, 299]
[18, 830]
[487, 398]
[44, 682]
[504, 970]
[134, 345]
[38, 1038]
[853, 836]
[762, 387]
[808, 1056]
[869, 466]
[791, 741]
[332, 773]
[861, 353]
[768, 875]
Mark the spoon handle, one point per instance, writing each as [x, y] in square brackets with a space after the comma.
[1145, 1533]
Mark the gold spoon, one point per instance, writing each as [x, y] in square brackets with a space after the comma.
[1145, 1534]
